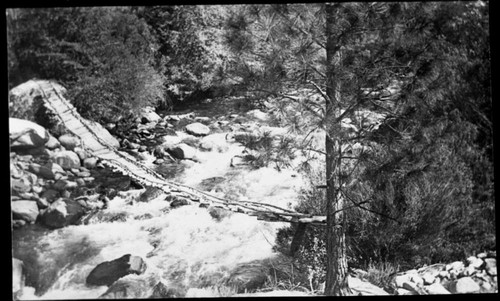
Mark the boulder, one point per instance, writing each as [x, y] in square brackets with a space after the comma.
[428, 278]
[491, 266]
[466, 285]
[17, 275]
[61, 213]
[150, 193]
[15, 171]
[50, 195]
[25, 134]
[176, 202]
[69, 141]
[90, 162]
[258, 114]
[214, 142]
[126, 289]
[19, 186]
[182, 151]
[52, 143]
[436, 289]
[247, 277]
[148, 114]
[364, 288]
[218, 213]
[108, 272]
[80, 152]
[21, 100]
[25, 210]
[61, 185]
[475, 262]
[67, 159]
[47, 171]
[197, 129]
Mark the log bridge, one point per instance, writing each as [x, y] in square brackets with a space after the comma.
[65, 113]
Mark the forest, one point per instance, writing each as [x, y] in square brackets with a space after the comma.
[413, 188]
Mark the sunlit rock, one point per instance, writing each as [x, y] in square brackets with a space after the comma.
[491, 266]
[26, 134]
[67, 159]
[364, 288]
[25, 210]
[21, 185]
[148, 114]
[182, 151]
[197, 129]
[106, 273]
[17, 276]
[436, 289]
[69, 141]
[52, 143]
[466, 285]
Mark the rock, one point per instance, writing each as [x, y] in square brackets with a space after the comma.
[436, 289]
[90, 162]
[17, 275]
[401, 279]
[148, 114]
[491, 266]
[25, 134]
[197, 129]
[414, 288]
[37, 189]
[177, 202]
[15, 171]
[247, 277]
[50, 195]
[218, 213]
[482, 255]
[126, 289]
[475, 262]
[61, 213]
[69, 141]
[457, 266]
[466, 285]
[42, 203]
[19, 186]
[160, 290]
[64, 184]
[80, 182]
[405, 292]
[417, 279]
[150, 193]
[48, 171]
[202, 119]
[428, 279]
[182, 151]
[258, 114]
[81, 153]
[108, 272]
[67, 159]
[52, 143]
[364, 288]
[18, 223]
[25, 210]
[214, 142]
[158, 161]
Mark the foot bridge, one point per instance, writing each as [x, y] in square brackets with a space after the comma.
[120, 161]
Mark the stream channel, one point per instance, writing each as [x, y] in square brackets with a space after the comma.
[184, 248]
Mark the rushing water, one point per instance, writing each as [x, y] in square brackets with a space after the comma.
[182, 247]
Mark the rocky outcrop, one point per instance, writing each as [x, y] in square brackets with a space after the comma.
[108, 272]
[25, 134]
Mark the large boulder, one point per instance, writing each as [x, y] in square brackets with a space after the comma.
[19, 186]
[106, 273]
[61, 213]
[25, 134]
[182, 151]
[247, 277]
[52, 143]
[66, 159]
[197, 129]
[436, 289]
[25, 210]
[69, 141]
[466, 285]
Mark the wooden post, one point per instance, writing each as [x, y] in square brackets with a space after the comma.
[297, 237]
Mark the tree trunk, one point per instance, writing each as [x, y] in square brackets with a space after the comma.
[336, 269]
